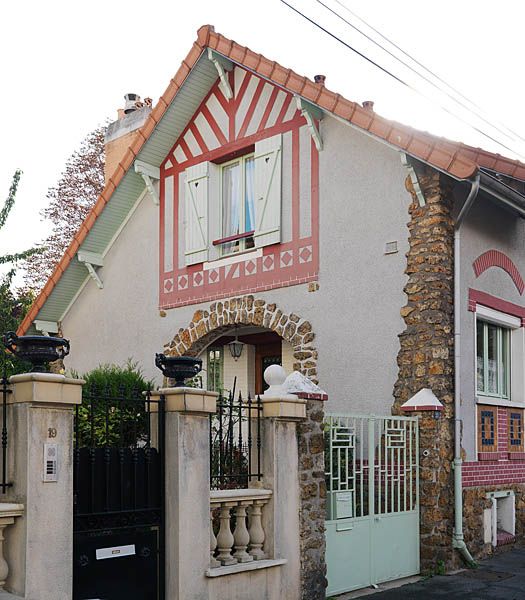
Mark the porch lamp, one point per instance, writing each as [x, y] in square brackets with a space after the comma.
[236, 347]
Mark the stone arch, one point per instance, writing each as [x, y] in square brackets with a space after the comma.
[220, 317]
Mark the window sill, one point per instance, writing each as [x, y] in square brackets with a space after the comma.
[254, 565]
[516, 455]
[491, 456]
[232, 259]
[498, 402]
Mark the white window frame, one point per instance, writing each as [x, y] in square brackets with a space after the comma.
[242, 216]
[516, 358]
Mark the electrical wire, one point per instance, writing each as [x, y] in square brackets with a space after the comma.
[504, 130]
[399, 80]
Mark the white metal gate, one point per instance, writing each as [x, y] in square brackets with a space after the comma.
[372, 479]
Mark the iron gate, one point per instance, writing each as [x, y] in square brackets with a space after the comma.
[372, 479]
[118, 513]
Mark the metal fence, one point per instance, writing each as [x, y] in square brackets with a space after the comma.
[371, 464]
[4, 485]
[118, 458]
[235, 442]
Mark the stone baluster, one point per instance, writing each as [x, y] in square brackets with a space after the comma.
[240, 534]
[225, 537]
[213, 543]
[256, 531]
[8, 513]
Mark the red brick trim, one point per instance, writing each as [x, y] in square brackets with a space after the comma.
[491, 456]
[476, 297]
[495, 258]
[493, 472]
[516, 455]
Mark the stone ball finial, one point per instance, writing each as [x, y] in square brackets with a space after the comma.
[274, 375]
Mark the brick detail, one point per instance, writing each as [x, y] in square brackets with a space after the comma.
[425, 357]
[493, 472]
[495, 258]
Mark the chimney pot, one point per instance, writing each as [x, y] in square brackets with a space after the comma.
[130, 105]
[368, 105]
[320, 79]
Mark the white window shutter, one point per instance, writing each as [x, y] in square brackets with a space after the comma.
[267, 186]
[196, 214]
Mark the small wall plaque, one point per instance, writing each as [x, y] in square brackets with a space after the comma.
[115, 552]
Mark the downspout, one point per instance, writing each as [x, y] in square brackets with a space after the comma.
[458, 541]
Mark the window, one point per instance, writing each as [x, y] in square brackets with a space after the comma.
[232, 207]
[492, 360]
[215, 369]
[238, 204]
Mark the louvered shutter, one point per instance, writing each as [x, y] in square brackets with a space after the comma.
[196, 214]
[267, 187]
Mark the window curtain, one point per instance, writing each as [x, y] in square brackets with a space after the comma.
[231, 189]
[249, 200]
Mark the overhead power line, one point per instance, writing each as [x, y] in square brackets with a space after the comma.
[502, 129]
[399, 80]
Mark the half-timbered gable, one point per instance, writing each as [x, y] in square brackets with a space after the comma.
[239, 196]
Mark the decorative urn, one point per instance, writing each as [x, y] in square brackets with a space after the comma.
[39, 350]
[178, 368]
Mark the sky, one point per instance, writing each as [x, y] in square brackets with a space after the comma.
[65, 67]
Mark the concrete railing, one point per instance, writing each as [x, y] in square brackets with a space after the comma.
[244, 543]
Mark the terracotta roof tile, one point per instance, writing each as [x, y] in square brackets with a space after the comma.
[279, 74]
[380, 128]
[457, 159]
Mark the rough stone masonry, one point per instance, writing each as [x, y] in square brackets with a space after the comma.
[426, 356]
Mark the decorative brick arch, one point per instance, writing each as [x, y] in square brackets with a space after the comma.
[208, 325]
[495, 258]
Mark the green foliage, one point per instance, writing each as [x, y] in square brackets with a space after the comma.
[113, 410]
[13, 307]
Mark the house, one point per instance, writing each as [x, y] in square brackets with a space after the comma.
[256, 205]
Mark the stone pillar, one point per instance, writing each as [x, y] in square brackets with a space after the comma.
[187, 491]
[426, 357]
[39, 546]
[294, 468]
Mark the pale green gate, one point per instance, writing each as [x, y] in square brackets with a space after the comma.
[372, 479]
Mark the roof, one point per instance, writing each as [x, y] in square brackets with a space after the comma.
[164, 125]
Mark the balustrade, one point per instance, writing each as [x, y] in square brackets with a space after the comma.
[239, 537]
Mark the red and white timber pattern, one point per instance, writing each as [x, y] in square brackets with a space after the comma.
[220, 128]
[495, 258]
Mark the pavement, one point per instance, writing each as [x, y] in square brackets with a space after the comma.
[499, 578]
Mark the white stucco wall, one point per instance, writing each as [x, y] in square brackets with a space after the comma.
[355, 312]
[487, 227]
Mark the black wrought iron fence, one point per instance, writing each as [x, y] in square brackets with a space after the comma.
[4, 485]
[235, 442]
[118, 454]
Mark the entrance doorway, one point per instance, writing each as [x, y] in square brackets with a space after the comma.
[262, 348]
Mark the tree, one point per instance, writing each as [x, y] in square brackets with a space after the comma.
[13, 307]
[70, 201]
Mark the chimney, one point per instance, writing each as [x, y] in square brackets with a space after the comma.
[121, 133]
[320, 79]
[368, 105]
